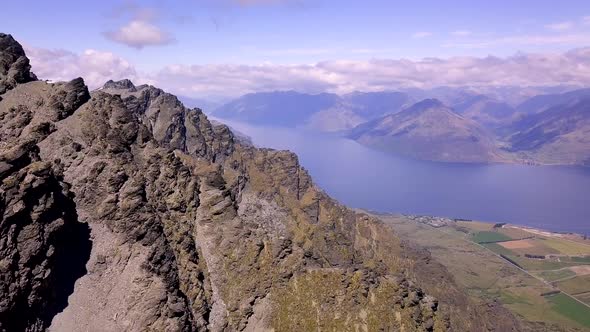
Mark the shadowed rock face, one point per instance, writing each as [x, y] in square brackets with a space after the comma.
[190, 230]
[44, 248]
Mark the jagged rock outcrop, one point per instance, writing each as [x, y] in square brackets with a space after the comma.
[190, 230]
[14, 65]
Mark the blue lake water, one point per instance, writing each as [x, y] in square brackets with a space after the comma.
[554, 198]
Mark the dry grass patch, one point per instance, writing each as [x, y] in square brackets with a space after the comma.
[581, 270]
[519, 244]
[568, 247]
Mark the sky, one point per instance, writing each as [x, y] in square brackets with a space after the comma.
[207, 48]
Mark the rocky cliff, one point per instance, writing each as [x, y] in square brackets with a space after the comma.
[123, 210]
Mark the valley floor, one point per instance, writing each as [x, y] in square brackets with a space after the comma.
[542, 277]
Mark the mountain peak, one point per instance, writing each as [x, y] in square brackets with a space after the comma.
[121, 84]
[428, 130]
[425, 105]
[428, 103]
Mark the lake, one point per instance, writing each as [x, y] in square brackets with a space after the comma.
[554, 198]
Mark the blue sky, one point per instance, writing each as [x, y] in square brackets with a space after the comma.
[152, 35]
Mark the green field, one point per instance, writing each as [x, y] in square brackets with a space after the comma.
[555, 275]
[585, 259]
[486, 236]
[584, 297]
[570, 308]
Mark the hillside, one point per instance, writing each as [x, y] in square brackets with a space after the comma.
[429, 130]
[544, 102]
[371, 105]
[491, 114]
[123, 210]
[559, 135]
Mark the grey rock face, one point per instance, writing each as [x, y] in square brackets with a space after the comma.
[122, 84]
[14, 65]
[43, 247]
[171, 123]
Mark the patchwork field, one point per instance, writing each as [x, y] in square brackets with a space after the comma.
[484, 261]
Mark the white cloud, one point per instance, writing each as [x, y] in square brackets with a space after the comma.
[461, 33]
[422, 34]
[561, 26]
[96, 67]
[376, 75]
[338, 76]
[586, 20]
[138, 34]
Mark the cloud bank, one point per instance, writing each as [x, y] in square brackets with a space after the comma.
[572, 68]
[338, 76]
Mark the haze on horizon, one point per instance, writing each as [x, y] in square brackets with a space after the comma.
[226, 48]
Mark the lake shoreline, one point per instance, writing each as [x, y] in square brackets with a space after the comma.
[438, 221]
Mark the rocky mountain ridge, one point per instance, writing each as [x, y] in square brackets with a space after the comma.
[123, 210]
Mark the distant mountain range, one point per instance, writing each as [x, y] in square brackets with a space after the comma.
[541, 103]
[488, 112]
[325, 112]
[280, 108]
[558, 135]
[530, 125]
[429, 130]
